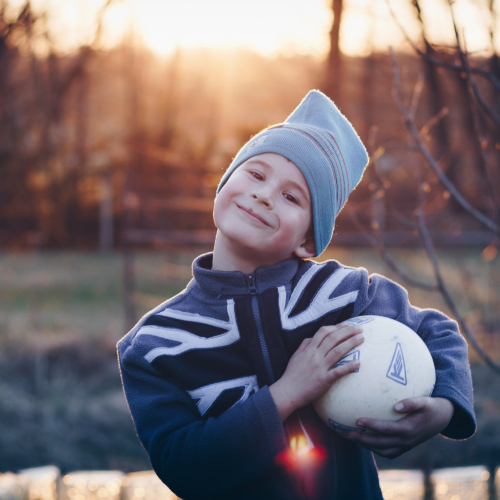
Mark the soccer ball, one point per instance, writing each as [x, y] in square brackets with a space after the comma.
[395, 364]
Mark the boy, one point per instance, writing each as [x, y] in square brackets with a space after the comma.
[219, 379]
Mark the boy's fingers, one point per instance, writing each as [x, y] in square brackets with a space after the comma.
[335, 354]
[322, 333]
[385, 427]
[375, 440]
[304, 344]
[339, 336]
[337, 332]
[342, 370]
[412, 404]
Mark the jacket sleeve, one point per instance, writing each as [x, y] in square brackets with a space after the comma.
[380, 296]
[198, 458]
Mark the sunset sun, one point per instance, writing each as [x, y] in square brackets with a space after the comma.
[262, 25]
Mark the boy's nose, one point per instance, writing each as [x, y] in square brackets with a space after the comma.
[263, 196]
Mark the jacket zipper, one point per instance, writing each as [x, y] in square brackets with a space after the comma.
[260, 330]
[264, 349]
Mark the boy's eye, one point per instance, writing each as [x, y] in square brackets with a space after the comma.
[291, 198]
[257, 175]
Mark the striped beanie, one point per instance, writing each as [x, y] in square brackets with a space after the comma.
[323, 144]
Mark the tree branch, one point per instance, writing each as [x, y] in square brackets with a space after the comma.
[432, 121]
[375, 240]
[429, 248]
[441, 286]
[480, 141]
[443, 64]
[431, 161]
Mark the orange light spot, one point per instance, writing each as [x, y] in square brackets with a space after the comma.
[490, 252]
[292, 458]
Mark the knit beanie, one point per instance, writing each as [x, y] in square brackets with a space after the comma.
[323, 144]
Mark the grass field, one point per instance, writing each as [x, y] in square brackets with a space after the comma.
[61, 315]
[80, 296]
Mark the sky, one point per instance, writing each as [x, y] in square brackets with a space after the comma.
[269, 27]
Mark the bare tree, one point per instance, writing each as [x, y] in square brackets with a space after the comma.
[435, 183]
[38, 97]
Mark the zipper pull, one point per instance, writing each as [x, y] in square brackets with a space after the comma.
[251, 284]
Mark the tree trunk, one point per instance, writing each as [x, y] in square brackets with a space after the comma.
[332, 85]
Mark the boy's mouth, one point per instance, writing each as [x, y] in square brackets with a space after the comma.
[253, 215]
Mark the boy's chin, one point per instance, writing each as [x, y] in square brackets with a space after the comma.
[253, 249]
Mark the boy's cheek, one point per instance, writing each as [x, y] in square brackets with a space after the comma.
[220, 206]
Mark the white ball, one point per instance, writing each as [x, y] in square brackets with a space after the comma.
[395, 364]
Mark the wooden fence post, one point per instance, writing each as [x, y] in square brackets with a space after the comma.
[106, 213]
[129, 288]
[428, 490]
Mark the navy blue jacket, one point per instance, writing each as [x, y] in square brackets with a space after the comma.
[196, 372]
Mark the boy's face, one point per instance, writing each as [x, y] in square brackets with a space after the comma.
[265, 209]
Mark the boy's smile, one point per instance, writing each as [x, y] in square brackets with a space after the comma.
[253, 215]
[263, 214]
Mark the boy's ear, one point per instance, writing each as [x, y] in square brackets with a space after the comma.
[307, 249]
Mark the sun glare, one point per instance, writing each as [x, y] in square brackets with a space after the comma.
[265, 26]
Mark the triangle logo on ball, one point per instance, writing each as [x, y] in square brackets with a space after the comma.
[397, 368]
[351, 356]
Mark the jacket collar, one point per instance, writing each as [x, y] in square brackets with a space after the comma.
[225, 284]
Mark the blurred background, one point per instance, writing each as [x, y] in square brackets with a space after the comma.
[117, 120]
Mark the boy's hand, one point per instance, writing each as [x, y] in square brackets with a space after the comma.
[308, 374]
[426, 417]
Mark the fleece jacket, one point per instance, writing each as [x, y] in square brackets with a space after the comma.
[196, 372]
